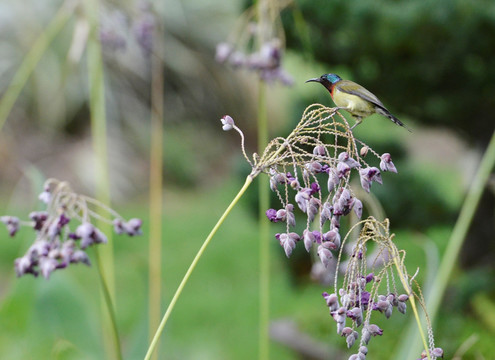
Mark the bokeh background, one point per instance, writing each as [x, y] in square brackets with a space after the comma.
[432, 63]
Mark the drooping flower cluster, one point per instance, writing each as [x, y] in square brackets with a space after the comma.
[369, 287]
[311, 170]
[116, 28]
[65, 229]
[257, 46]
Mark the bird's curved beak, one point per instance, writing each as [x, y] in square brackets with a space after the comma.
[313, 80]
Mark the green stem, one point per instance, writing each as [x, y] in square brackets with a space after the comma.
[110, 305]
[461, 228]
[182, 284]
[156, 185]
[32, 58]
[412, 300]
[99, 136]
[264, 244]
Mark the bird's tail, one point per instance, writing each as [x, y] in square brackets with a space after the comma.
[387, 113]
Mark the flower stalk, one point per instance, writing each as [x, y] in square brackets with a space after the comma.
[159, 331]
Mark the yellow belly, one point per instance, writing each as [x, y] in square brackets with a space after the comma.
[353, 104]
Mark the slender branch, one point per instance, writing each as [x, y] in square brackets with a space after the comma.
[412, 300]
[156, 182]
[186, 277]
[264, 230]
[110, 305]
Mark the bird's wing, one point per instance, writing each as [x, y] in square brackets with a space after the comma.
[350, 87]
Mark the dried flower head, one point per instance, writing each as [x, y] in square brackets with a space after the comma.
[65, 229]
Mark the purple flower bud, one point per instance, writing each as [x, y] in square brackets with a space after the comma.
[332, 236]
[85, 232]
[309, 239]
[402, 307]
[363, 350]
[345, 158]
[437, 352]
[99, 237]
[319, 150]
[288, 242]
[39, 248]
[315, 188]
[332, 301]
[386, 163]
[335, 222]
[67, 250]
[403, 298]
[365, 184]
[326, 212]
[302, 198]
[23, 265]
[314, 167]
[12, 224]
[227, 123]
[358, 208]
[271, 214]
[131, 227]
[39, 218]
[342, 169]
[291, 218]
[79, 256]
[370, 277]
[356, 314]
[317, 236]
[366, 336]
[346, 331]
[392, 299]
[365, 298]
[312, 208]
[382, 305]
[47, 266]
[374, 330]
[333, 179]
[364, 151]
[325, 255]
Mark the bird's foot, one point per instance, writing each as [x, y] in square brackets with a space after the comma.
[355, 124]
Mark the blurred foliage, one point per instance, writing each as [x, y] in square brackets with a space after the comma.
[433, 60]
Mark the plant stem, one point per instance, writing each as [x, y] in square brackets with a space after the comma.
[156, 184]
[412, 300]
[110, 307]
[99, 136]
[182, 284]
[33, 57]
[461, 228]
[264, 230]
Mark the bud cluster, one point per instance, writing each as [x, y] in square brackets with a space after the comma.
[366, 292]
[64, 230]
[311, 170]
[267, 62]
[314, 176]
[257, 44]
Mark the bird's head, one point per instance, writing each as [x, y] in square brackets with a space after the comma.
[327, 80]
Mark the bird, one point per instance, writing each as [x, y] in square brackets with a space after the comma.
[355, 99]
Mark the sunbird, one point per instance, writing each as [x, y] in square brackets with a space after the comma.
[354, 98]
